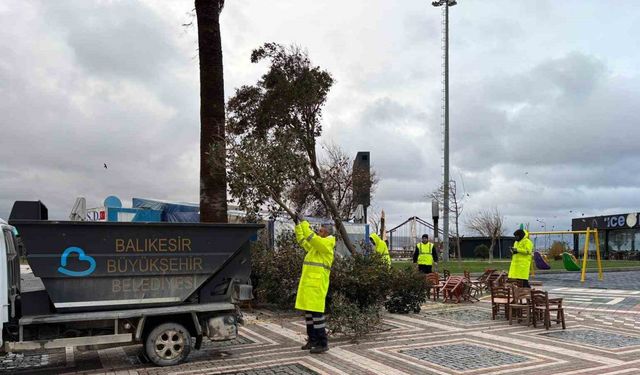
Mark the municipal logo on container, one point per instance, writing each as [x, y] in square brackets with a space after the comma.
[87, 262]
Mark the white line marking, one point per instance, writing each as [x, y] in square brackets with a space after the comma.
[550, 348]
[71, 361]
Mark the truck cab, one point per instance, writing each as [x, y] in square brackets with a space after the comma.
[9, 274]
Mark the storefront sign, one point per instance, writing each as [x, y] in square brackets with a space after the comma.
[621, 221]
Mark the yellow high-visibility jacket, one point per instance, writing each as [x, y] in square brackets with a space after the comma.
[381, 248]
[521, 261]
[425, 253]
[316, 269]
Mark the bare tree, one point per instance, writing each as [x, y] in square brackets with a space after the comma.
[456, 205]
[338, 179]
[488, 223]
[374, 222]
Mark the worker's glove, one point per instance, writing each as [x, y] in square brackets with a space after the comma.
[297, 218]
[514, 250]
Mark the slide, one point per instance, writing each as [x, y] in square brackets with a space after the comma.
[570, 262]
[540, 262]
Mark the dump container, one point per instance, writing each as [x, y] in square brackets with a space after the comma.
[104, 265]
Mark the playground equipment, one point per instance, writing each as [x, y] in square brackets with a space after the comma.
[540, 261]
[570, 262]
[573, 263]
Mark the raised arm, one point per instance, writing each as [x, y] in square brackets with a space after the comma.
[525, 247]
[303, 232]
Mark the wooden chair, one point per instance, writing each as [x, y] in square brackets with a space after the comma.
[434, 285]
[481, 282]
[453, 288]
[491, 277]
[520, 307]
[445, 274]
[469, 291]
[496, 279]
[473, 288]
[515, 282]
[542, 306]
[500, 296]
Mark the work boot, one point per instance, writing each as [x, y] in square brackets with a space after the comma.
[307, 346]
[319, 349]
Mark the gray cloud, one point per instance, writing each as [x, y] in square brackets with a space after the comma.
[543, 117]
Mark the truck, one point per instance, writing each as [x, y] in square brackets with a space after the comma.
[167, 286]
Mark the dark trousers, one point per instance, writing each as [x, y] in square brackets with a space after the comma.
[525, 283]
[316, 329]
[424, 268]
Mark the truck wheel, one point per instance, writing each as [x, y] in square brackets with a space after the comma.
[168, 344]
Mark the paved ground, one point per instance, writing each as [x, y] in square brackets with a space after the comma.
[602, 337]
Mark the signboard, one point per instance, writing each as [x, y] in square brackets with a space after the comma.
[618, 221]
[96, 214]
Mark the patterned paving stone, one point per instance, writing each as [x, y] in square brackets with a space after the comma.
[628, 280]
[463, 357]
[602, 339]
[460, 315]
[386, 327]
[293, 369]
[240, 340]
[14, 362]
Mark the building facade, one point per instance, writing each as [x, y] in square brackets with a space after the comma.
[619, 235]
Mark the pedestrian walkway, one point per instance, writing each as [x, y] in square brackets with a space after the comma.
[602, 337]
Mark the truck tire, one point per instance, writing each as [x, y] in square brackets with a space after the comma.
[168, 344]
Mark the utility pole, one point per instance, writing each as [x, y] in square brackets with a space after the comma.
[445, 46]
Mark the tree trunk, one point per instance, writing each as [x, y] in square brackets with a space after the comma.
[331, 206]
[213, 176]
[493, 243]
[458, 238]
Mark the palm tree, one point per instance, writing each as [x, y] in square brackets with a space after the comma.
[213, 176]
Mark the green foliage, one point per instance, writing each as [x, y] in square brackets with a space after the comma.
[275, 273]
[351, 320]
[272, 128]
[357, 291]
[556, 250]
[361, 279]
[409, 290]
[360, 286]
[481, 251]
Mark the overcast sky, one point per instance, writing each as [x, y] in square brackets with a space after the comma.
[544, 99]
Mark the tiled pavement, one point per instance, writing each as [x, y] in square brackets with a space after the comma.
[602, 337]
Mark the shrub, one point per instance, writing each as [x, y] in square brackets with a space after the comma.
[409, 290]
[357, 291]
[362, 279]
[556, 250]
[275, 273]
[481, 251]
[359, 286]
[351, 320]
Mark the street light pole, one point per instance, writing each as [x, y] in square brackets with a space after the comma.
[445, 47]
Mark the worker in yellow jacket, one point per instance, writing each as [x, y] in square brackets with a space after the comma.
[522, 253]
[314, 282]
[381, 248]
[426, 255]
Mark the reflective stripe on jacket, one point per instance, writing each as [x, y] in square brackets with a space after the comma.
[316, 269]
[425, 256]
[521, 261]
[381, 248]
